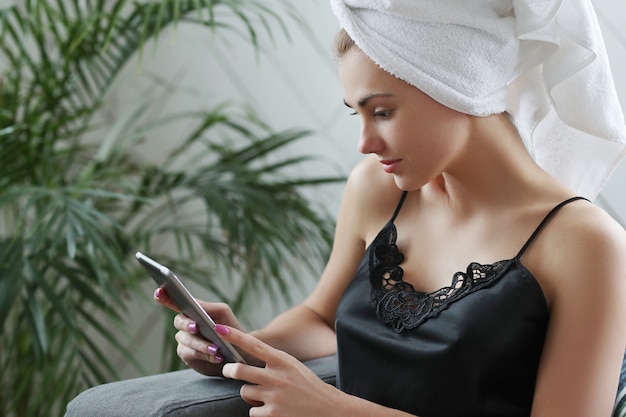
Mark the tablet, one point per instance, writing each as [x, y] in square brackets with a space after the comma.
[188, 305]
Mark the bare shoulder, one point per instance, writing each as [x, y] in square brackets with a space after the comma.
[371, 194]
[368, 178]
[590, 234]
[582, 268]
[582, 249]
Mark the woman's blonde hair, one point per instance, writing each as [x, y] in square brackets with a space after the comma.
[343, 43]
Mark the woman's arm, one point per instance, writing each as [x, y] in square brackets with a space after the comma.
[584, 264]
[307, 331]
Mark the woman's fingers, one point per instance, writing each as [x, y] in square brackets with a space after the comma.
[250, 344]
[195, 351]
[161, 297]
[251, 394]
[184, 323]
[191, 346]
[272, 358]
[283, 387]
[191, 350]
[258, 377]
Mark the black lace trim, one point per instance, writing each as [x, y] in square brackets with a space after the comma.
[398, 304]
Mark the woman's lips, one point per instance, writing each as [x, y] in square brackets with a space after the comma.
[390, 165]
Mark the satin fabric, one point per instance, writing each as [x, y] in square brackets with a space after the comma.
[477, 356]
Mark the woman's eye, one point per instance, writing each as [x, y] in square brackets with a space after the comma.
[383, 114]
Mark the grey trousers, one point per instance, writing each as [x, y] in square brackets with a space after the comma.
[175, 394]
[187, 393]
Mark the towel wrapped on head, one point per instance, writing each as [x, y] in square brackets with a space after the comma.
[542, 61]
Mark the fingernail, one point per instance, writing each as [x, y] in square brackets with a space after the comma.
[213, 349]
[226, 370]
[219, 358]
[222, 330]
[192, 327]
[158, 292]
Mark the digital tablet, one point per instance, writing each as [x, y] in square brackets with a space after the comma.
[188, 305]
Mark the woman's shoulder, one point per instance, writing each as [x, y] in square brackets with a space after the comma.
[370, 198]
[585, 228]
[372, 187]
[583, 247]
[583, 274]
[369, 172]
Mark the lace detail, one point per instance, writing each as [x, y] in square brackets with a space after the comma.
[397, 302]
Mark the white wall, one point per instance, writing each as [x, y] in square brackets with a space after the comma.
[295, 84]
[612, 17]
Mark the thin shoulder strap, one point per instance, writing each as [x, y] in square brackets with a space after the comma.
[398, 207]
[545, 220]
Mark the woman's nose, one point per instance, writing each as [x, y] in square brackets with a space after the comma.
[369, 141]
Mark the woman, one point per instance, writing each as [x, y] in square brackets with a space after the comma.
[533, 326]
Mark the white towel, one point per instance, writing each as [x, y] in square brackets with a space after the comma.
[542, 61]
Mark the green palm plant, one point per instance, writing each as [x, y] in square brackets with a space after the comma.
[77, 198]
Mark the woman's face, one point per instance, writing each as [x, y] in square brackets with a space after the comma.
[414, 137]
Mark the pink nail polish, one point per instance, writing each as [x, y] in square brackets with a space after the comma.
[222, 330]
[213, 349]
[192, 327]
[219, 358]
[158, 292]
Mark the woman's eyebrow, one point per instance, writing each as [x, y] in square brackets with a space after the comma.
[363, 101]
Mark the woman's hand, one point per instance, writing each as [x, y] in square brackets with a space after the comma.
[284, 387]
[198, 353]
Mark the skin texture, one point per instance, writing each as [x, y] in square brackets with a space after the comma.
[475, 195]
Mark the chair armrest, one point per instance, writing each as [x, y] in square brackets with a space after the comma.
[175, 394]
[620, 402]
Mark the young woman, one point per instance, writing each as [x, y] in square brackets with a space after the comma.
[464, 280]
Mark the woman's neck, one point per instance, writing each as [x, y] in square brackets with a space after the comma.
[495, 170]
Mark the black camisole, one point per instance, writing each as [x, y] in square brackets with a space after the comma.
[470, 349]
